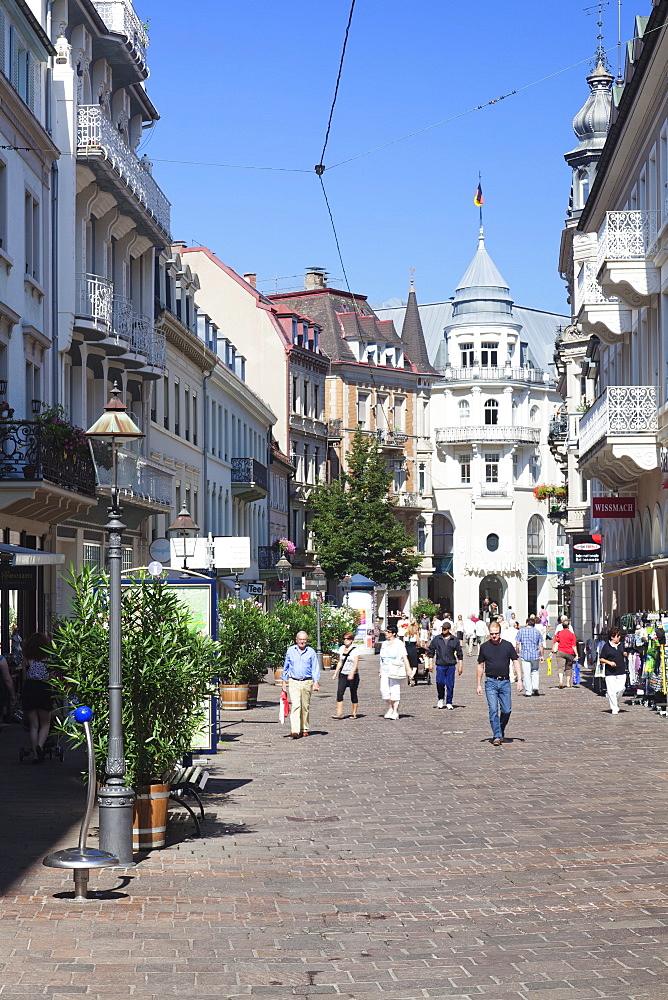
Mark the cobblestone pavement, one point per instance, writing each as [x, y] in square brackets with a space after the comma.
[375, 859]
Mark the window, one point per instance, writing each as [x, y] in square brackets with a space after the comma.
[442, 535]
[382, 403]
[177, 407]
[194, 416]
[165, 402]
[421, 477]
[306, 471]
[534, 414]
[466, 351]
[515, 468]
[127, 557]
[305, 399]
[465, 469]
[186, 406]
[316, 402]
[398, 476]
[492, 542]
[489, 354]
[32, 236]
[316, 464]
[92, 555]
[295, 394]
[362, 408]
[535, 536]
[491, 466]
[534, 468]
[3, 203]
[464, 411]
[422, 536]
[399, 413]
[491, 411]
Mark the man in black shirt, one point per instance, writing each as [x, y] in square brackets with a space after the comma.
[447, 649]
[494, 659]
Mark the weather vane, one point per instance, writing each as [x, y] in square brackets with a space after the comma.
[601, 56]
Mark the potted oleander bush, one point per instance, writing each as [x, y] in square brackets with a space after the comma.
[168, 669]
[243, 646]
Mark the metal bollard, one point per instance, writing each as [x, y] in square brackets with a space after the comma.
[81, 859]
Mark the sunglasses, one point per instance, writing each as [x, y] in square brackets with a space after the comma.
[495, 635]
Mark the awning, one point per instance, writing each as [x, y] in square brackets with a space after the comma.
[16, 555]
[625, 570]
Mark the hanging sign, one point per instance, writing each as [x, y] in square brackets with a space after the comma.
[587, 549]
[613, 506]
[18, 578]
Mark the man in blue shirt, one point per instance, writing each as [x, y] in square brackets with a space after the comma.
[530, 647]
[301, 676]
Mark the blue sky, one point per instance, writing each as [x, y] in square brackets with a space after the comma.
[252, 83]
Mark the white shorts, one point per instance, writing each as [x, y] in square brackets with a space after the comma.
[390, 690]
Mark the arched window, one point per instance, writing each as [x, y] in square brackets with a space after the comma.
[464, 411]
[536, 536]
[442, 535]
[491, 411]
[533, 415]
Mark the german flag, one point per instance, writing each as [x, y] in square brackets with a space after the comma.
[478, 199]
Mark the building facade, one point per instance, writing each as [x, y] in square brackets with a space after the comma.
[488, 536]
[614, 357]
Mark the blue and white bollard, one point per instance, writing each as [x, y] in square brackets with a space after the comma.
[81, 859]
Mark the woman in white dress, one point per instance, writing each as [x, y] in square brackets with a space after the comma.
[394, 666]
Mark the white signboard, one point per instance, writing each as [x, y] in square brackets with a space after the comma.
[230, 552]
[201, 558]
[254, 589]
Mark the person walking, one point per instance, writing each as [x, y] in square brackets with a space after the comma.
[564, 651]
[394, 666]
[469, 633]
[347, 672]
[529, 645]
[481, 631]
[301, 676]
[437, 624]
[446, 650]
[37, 693]
[412, 643]
[613, 657]
[459, 627]
[425, 626]
[494, 660]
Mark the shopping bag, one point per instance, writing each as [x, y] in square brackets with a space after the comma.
[576, 672]
[283, 707]
[549, 666]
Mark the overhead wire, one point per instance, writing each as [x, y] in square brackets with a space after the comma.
[338, 81]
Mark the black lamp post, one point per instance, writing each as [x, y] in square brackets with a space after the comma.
[184, 534]
[113, 429]
[320, 580]
[283, 568]
[346, 584]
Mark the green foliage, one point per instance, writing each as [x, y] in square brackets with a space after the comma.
[167, 671]
[244, 641]
[354, 524]
[293, 618]
[61, 435]
[424, 607]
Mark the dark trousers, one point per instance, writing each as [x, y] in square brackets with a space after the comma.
[445, 682]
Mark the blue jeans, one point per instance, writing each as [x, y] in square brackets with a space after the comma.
[497, 692]
[445, 681]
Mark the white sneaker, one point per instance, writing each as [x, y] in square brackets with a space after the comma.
[615, 711]
[440, 704]
[389, 714]
[395, 715]
[450, 707]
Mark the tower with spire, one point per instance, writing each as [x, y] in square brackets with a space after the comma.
[590, 125]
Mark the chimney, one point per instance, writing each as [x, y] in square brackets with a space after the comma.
[179, 244]
[251, 278]
[316, 277]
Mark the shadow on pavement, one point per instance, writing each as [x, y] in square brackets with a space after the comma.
[41, 803]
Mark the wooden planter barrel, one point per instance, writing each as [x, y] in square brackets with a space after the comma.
[326, 661]
[278, 675]
[149, 822]
[233, 697]
[252, 695]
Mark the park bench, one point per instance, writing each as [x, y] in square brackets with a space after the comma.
[189, 782]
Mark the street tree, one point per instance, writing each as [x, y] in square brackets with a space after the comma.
[354, 522]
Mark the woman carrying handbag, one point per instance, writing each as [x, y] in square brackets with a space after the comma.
[394, 666]
[348, 674]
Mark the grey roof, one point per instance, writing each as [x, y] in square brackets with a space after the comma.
[539, 328]
[482, 271]
[412, 336]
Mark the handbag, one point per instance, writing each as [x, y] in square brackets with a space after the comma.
[394, 667]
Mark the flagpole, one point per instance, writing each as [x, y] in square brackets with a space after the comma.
[480, 186]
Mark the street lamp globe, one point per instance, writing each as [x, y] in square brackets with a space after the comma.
[183, 533]
[319, 578]
[346, 584]
[108, 434]
[283, 568]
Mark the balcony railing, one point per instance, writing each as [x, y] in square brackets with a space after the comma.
[97, 139]
[247, 471]
[120, 16]
[630, 235]
[588, 291]
[334, 429]
[494, 490]
[391, 439]
[267, 556]
[138, 332]
[495, 373]
[558, 428]
[619, 410]
[465, 434]
[28, 452]
[406, 499]
[140, 479]
[94, 298]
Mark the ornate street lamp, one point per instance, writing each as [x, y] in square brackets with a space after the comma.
[283, 568]
[320, 581]
[346, 584]
[184, 534]
[113, 429]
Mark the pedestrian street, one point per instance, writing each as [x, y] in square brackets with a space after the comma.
[375, 858]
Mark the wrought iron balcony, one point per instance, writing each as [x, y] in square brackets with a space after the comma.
[335, 429]
[627, 244]
[505, 373]
[486, 433]
[618, 435]
[120, 17]
[558, 430]
[599, 313]
[31, 452]
[138, 335]
[391, 439]
[104, 148]
[249, 479]
[268, 556]
[94, 304]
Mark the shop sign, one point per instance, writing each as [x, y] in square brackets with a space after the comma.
[254, 589]
[613, 506]
[587, 549]
[18, 578]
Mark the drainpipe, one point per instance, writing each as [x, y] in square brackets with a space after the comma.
[205, 463]
[55, 354]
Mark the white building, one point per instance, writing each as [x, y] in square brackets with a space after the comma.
[490, 415]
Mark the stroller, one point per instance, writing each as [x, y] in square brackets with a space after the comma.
[423, 672]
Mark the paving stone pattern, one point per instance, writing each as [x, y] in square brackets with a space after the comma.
[375, 859]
